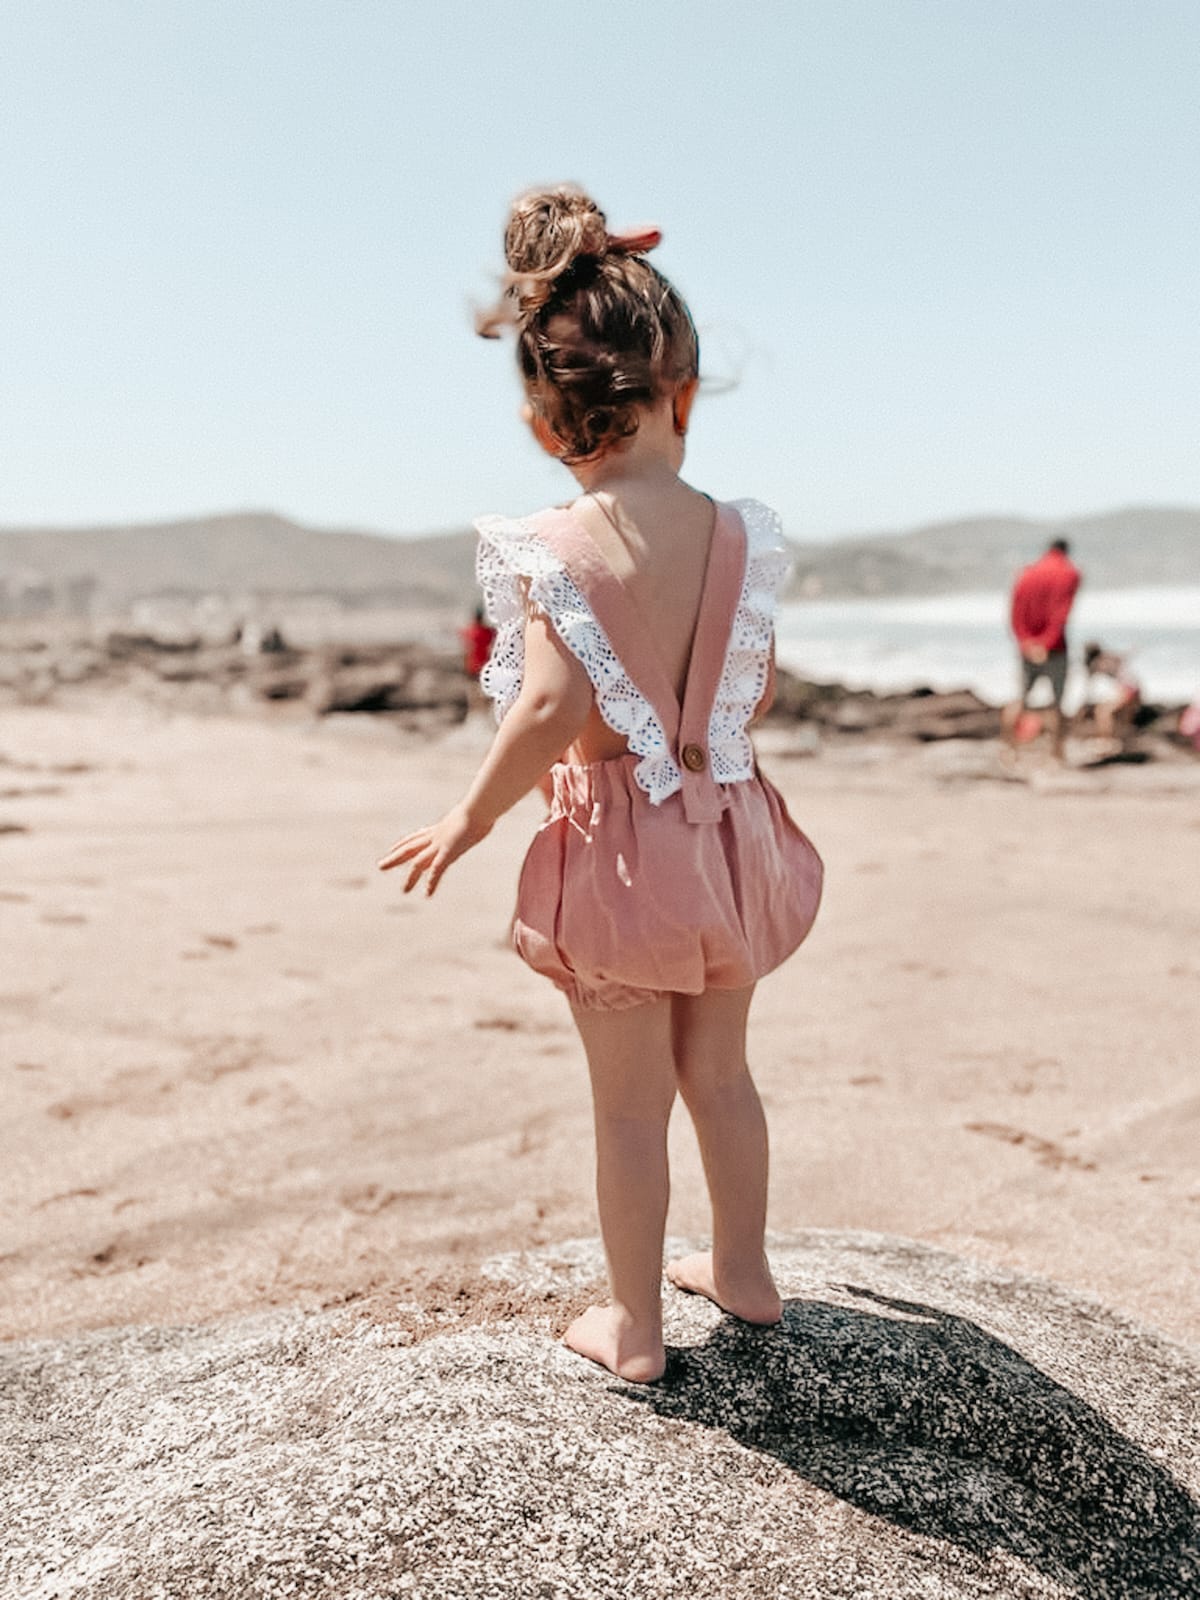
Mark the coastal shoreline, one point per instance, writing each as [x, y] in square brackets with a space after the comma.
[405, 673]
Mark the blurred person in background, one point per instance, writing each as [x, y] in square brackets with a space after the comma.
[1042, 598]
[1189, 725]
[477, 638]
[1113, 695]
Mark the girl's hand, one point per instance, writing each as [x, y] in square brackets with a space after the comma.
[431, 850]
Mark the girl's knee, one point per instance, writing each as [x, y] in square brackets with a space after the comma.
[703, 1076]
[640, 1119]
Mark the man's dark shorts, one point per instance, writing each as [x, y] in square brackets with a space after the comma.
[1053, 669]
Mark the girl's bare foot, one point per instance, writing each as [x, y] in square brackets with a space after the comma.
[610, 1336]
[750, 1295]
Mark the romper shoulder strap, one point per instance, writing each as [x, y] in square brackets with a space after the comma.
[710, 645]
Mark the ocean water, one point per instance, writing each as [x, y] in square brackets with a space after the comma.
[962, 641]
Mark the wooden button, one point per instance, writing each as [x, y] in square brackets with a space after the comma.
[693, 757]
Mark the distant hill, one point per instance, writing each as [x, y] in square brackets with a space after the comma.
[241, 552]
[260, 552]
[1116, 549]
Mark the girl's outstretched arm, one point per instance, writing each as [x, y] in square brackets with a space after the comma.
[549, 712]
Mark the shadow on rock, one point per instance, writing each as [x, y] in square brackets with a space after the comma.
[923, 1418]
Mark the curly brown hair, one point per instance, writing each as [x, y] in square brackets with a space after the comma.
[600, 332]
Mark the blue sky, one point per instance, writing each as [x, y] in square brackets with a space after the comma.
[949, 247]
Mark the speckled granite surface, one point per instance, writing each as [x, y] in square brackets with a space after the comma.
[918, 1426]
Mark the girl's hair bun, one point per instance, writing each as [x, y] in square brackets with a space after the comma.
[548, 230]
[601, 334]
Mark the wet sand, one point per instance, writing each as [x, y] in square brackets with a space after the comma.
[240, 1069]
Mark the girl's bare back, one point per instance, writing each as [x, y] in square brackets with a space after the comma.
[657, 543]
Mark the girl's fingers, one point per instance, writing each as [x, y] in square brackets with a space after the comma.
[419, 867]
[426, 851]
[440, 863]
[404, 849]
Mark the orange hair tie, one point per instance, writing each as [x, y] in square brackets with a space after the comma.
[634, 241]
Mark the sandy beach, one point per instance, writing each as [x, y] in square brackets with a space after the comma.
[241, 1069]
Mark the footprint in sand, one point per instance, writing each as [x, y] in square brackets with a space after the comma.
[30, 791]
[262, 927]
[220, 941]
[1032, 1065]
[222, 1055]
[13, 827]
[67, 1194]
[25, 1001]
[141, 1090]
[533, 1135]
[63, 919]
[1044, 1151]
[369, 1199]
[506, 1023]
[13, 897]
[112, 1257]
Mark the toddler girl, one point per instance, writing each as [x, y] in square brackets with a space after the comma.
[635, 645]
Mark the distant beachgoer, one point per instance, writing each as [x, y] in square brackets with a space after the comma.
[1189, 725]
[635, 648]
[477, 639]
[1113, 694]
[1042, 598]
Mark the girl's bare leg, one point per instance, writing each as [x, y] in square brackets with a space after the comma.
[633, 1089]
[709, 1036]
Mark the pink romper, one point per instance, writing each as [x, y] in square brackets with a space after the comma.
[674, 868]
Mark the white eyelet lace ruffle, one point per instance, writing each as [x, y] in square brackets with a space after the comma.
[517, 569]
[747, 660]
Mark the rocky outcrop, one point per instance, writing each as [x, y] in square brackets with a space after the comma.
[927, 716]
[421, 687]
[417, 685]
[918, 1425]
[919, 714]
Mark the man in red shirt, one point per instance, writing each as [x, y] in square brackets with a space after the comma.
[1041, 603]
[477, 639]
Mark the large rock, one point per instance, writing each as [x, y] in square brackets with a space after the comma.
[918, 1426]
